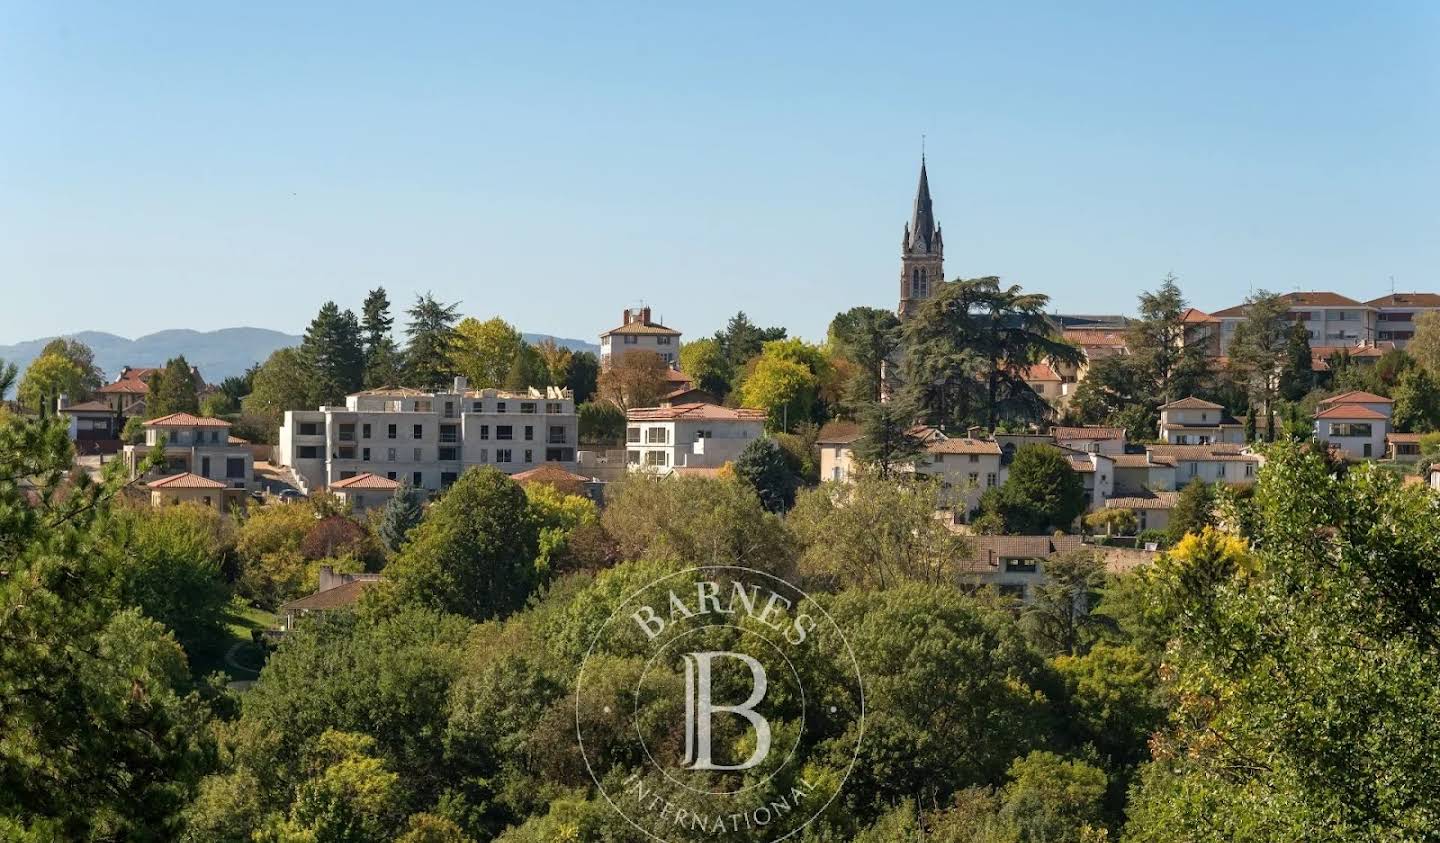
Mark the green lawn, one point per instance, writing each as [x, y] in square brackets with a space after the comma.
[236, 654]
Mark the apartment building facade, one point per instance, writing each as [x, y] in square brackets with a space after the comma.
[428, 438]
[1336, 321]
[663, 440]
[638, 332]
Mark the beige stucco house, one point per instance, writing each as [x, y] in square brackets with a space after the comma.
[664, 439]
[1355, 423]
[638, 332]
[1193, 421]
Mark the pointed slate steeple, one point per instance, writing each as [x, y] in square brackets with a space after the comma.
[922, 249]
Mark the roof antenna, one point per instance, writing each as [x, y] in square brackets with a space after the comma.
[1392, 285]
[922, 147]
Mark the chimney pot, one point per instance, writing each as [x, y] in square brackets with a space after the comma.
[461, 384]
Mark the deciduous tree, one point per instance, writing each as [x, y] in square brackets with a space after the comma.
[1043, 493]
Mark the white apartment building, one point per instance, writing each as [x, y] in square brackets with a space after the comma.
[1192, 421]
[428, 438]
[1356, 423]
[1224, 463]
[199, 446]
[637, 332]
[1396, 313]
[664, 439]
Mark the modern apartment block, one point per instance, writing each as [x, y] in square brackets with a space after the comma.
[1336, 321]
[638, 332]
[428, 438]
[681, 436]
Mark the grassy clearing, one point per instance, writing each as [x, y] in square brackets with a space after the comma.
[236, 655]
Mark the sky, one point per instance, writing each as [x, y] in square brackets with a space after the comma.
[208, 165]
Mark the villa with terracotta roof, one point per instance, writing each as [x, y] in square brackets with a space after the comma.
[1214, 463]
[196, 445]
[638, 332]
[1355, 424]
[187, 488]
[1194, 421]
[334, 593]
[1151, 508]
[663, 439]
[127, 395]
[1403, 447]
[1013, 565]
[364, 491]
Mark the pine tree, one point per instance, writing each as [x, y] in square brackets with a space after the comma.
[172, 390]
[402, 513]
[382, 358]
[763, 466]
[333, 354]
[431, 338]
[885, 443]
[1250, 426]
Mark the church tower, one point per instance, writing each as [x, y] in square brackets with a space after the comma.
[922, 251]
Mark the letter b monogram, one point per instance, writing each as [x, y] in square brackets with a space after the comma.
[700, 711]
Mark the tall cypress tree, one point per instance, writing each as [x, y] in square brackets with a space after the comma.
[382, 357]
[431, 337]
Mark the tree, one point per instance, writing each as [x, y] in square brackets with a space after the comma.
[173, 390]
[1194, 509]
[1058, 619]
[1113, 520]
[168, 564]
[1297, 377]
[1043, 493]
[333, 355]
[430, 342]
[474, 554]
[601, 423]
[83, 357]
[886, 444]
[1425, 345]
[1250, 429]
[875, 533]
[283, 383]
[762, 465]
[868, 337]
[742, 339]
[272, 565]
[557, 515]
[1053, 798]
[106, 735]
[46, 379]
[402, 513]
[556, 359]
[1169, 362]
[781, 388]
[7, 377]
[1417, 402]
[383, 366]
[966, 349]
[704, 362]
[636, 379]
[582, 376]
[1258, 351]
[484, 352]
[526, 370]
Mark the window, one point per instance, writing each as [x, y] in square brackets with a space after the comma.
[504, 431]
[307, 452]
[204, 466]
[390, 432]
[484, 455]
[418, 431]
[449, 409]
[656, 436]
[632, 457]
[557, 434]
[365, 454]
[502, 455]
[655, 458]
[447, 478]
[390, 455]
[704, 434]
[527, 408]
[1019, 565]
[631, 340]
[990, 479]
[235, 468]
[214, 436]
[974, 458]
[529, 455]
[449, 454]
[484, 431]
[418, 458]
[449, 434]
[1249, 469]
[552, 407]
[477, 407]
[417, 479]
[559, 455]
[974, 478]
[389, 475]
[1350, 429]
[364, 431]
[499, 406]
[529, 432]
[346, 475]
[309, 429]
[632, 434]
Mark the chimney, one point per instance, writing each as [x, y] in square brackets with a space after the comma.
[461, 384]
[973, 431]
[645, 315]
[625, 317]
[328, 580]
[62, 402]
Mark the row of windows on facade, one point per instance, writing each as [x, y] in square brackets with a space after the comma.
[234, 467]
[502, 456]
[649, 458]
[426, 405]
[448, 433]
[634, 339]
[659, 435]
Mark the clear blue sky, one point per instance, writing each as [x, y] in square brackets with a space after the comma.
[206, 165]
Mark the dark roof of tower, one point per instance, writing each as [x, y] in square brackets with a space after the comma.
[924, 235]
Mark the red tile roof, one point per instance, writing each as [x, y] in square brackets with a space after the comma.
[367, 481]
[88, 407]
[1193, 316]
[987, 551]
[648, 328]
[1357, 396]
[1312, 298]
[186, 420]
[1141, 461]
[699, 412]
[1108, 337]
[1225, 452]
[1403, 437]
[1351, 411]
[1039, 372]
[962, 445]
[1402, 300]
[185, 480]
[1148, 500]
[544, 473]
[1192, 403]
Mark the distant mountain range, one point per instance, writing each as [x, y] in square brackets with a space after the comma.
[218, 354]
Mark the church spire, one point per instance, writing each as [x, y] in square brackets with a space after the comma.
[923, 234]
[922, 251]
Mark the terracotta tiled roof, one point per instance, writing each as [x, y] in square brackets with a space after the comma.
[339, 597]
[541, 473]
[700, 396]
[1311, 298]
[1203, 453]
[1096, 433]
[1192, 403]
[185, 480]
[987, 551]
[127, 386]
[676, 376]
[650, 329]
[186, 420]
[367, 481]
[1403, 437]
[88, 407]
[1351, 411]
[1139, 461]
[1039, 372]
[1357, 396]
[1407, 300]
[702, 412]
[961, 445]
[1148, 500]
[838, 433]
[1193, 316]
[1108, 337]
